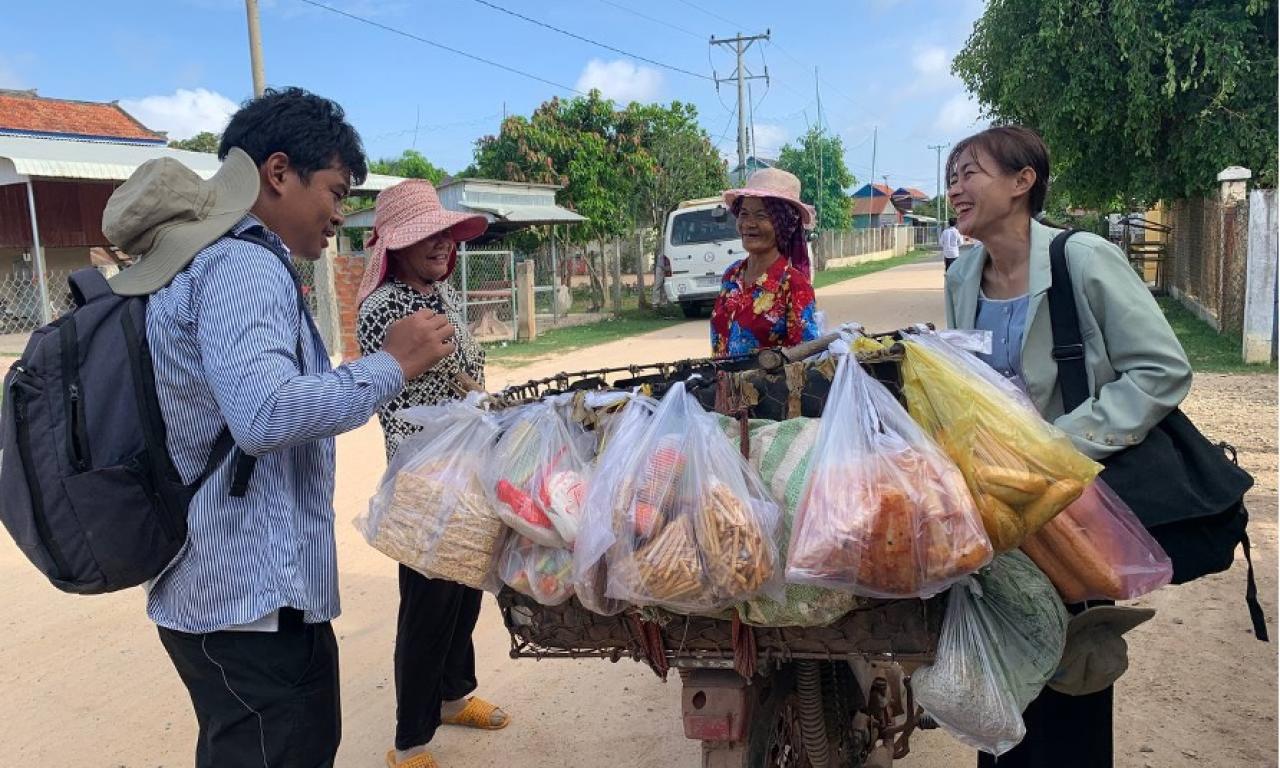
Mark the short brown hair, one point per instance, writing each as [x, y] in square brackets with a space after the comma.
[1013, 147]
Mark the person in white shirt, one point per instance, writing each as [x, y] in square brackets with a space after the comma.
[950, 242]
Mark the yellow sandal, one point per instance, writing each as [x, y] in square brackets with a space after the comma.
[420, 760]
[477, 713]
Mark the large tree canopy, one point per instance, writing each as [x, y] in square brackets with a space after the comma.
[1137, 99]
[827, 188]
[410, 165]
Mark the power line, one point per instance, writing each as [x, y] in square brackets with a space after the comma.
[433, 127]
[667, 24]
[589, 41]
[441, 46]
[715, 16]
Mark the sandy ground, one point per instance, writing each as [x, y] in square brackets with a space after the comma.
[86, 682]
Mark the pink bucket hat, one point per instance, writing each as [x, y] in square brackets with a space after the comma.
[409, 213]
[775, 183]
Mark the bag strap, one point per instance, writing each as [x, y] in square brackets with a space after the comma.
[1068, 344]
[244, 463]
[1068, 352]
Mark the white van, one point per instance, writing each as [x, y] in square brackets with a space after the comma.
[701, 242]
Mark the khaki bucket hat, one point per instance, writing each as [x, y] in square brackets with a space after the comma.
[165, 214]
[1096, 654]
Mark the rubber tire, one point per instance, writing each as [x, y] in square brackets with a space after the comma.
[691, 309]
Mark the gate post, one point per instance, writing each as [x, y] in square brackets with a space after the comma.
[1260, 278]
[526, 318]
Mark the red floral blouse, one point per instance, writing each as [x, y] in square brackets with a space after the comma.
[778, 311]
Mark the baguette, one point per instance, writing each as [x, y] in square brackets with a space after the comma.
[1004, 526]
[1070, 588]
[1054, 500]
[1074, 550]
[1025, 484]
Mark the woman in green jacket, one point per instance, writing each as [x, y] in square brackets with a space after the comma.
[1137, 371]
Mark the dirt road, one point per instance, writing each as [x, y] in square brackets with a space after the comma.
[86, 682]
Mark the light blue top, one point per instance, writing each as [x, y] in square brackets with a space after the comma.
[1007, 321]
[224, 337]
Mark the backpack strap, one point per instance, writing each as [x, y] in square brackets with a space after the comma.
[1068, 344]
[1068, 352]
[244, 463]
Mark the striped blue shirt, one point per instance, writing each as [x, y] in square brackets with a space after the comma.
[224, 338]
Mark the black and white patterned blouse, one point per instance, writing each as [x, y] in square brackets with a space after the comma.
[392, 301]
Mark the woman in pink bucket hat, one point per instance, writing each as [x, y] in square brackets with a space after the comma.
[766, 300]
[412, 252]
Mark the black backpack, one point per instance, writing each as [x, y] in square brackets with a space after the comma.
[1185, 489]
[87, 487]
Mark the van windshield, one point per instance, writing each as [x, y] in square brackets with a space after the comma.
[701, 227]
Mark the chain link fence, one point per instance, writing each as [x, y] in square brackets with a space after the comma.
[486, 284]
[1208, 254]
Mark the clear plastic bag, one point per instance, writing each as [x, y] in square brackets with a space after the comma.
[431, 512]
[543, 573]
[782, 452]
[537, 476]
[1020, 469]
[694, 527]
[1096, 549]
[1001, 641]
[885, 512]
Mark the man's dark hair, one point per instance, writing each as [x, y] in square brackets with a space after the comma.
[310, 129]
[951, 222]
[1013, 147]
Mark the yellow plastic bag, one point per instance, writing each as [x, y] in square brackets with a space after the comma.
[1021, 470]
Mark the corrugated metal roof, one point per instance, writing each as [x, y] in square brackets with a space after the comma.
[104, 161]
[527, 214]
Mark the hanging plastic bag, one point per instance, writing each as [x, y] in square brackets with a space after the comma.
[537, 474]
[693, 524]
[618, 431]
[1001, 641]
[1020, 469]
[1096, 549]
[431, 512]
[782, 452]
[543, 573]
[885, 512]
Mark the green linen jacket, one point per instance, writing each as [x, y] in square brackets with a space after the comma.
[1138, 372]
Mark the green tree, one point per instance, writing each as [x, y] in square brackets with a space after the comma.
[818, 161]
[410, 165]
[204, 141]
[1137, 99]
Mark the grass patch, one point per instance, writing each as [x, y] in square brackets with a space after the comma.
[1208, 350]
[839, 275]
[631, 322]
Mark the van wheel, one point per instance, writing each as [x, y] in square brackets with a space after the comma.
[691, 309]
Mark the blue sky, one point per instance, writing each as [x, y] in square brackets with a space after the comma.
[182, 65]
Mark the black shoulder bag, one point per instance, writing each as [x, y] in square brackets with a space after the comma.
[1183, 488]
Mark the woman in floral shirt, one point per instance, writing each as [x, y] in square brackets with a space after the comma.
[766, 300]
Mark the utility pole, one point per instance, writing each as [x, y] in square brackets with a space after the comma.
[740, 44]
[255, 47]
[938, 184]
[817, 193]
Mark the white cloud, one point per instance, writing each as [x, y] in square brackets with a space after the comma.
[620, 80]
[958, 113]
[769, 139]
[932, 61]
[184, 113]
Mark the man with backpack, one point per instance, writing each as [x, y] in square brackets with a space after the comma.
[244, 608]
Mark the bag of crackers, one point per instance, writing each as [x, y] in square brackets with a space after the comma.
[885, 513]
[694, 526]
[1021, 470]
[620, 425]
[543, 573]
[431, 512]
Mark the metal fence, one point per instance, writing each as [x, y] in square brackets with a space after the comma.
[485, 281]
[1207, 259]
[20, 299]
